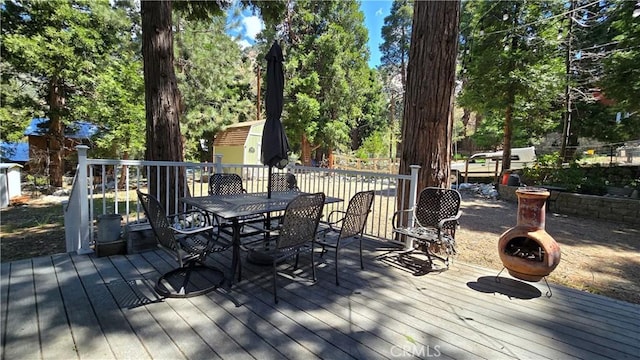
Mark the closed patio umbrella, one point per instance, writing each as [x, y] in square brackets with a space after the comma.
[275, 146]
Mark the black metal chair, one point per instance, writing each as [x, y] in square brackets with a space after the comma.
[297, 234]
[284, 182]
[343, 231]
[435, 216]
[281, 182]
[190, 239]
[225, 184]
[230, 184]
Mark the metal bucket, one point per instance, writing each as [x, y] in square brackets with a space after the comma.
[109, 227]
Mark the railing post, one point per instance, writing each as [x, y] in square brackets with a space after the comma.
[413, 194]
[218, 163]
[83, 247]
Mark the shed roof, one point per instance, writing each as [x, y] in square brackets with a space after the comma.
[9, 165]
[75, 130]
[235, 134]
[14, 151]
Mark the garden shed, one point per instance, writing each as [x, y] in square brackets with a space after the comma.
[10, 182]
[75, 133]
[240, 143]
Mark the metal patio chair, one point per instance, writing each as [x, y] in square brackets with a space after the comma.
[296, 235]
[225, 184]
[284, 182]
[343, 231]
[230, 184]
[189, 238]
[435, 216]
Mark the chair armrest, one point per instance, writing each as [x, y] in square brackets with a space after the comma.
[335, 222]
[395, 214]
[189, 220]
[192, 231]
[442, 222]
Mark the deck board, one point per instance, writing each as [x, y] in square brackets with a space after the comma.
[22, 335]
[55, 333]
[79, 306]
[114, 323]
[89, 339]
[157, 342]
[5, 272]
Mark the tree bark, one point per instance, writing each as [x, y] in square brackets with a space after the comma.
[55, 135]
[508, 134]
[162, 99]
[427, 127]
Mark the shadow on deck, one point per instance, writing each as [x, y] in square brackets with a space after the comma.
[70, 306]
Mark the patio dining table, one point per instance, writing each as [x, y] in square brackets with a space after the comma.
[235, 207]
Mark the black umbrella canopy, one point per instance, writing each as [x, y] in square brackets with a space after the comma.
[275, 146]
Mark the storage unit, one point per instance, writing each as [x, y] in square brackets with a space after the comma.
[10, 182]
[240, 143]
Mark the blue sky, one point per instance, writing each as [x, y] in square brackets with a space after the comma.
[374, 14]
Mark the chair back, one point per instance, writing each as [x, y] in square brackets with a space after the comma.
[300, 221]
[283, 182]
[435, 204]
[225, 184]
[357, 213]
[157, 217]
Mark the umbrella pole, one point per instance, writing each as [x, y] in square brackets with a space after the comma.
[268, 221]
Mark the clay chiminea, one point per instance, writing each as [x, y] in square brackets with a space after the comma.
[527, 251]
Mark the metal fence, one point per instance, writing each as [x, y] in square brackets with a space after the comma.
[106, 186]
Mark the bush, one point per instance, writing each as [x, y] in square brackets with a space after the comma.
[591, 179]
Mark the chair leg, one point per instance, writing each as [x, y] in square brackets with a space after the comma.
[324, 250]
[183, 289]
[313, 265]
[361, 262]
[337, 281]
[275, 275]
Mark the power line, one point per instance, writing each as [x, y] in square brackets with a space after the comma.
[541, 20]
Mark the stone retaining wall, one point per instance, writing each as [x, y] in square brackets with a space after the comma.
[607, 208]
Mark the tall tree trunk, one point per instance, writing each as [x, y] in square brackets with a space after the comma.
[508, 134]
[427, 127]
[511, 96]
[306, 151]
[55, 136]
[162, 99]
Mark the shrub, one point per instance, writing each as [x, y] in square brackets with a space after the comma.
[591, 179]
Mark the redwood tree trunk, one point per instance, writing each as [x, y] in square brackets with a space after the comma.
[508, 134]
[55, 136]
[427, 127]
[162, 99]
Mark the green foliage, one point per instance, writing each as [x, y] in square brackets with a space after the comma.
[622, 78]
[506, 64]
[214, 78]
[396, 33]
[337, 97]
[374, 146]
[81, 48]
[593, 179]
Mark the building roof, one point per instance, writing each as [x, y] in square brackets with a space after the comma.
[235, 134]
[75, 130]
[14, 152]
[9, 165]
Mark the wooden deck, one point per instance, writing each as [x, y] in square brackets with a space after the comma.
[84, 307]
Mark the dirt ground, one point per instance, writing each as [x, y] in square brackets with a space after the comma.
[598, 257]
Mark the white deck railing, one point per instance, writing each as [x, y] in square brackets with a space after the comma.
[103, 186]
